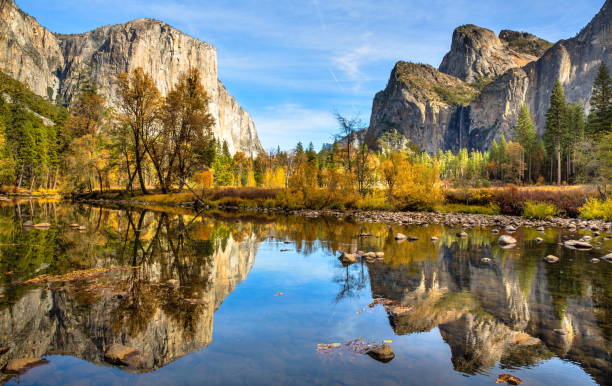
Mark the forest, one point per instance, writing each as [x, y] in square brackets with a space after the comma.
[165, 145]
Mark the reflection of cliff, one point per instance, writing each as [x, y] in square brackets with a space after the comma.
[164, 307]
[489, 313]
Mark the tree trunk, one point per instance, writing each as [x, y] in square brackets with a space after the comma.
[558, 151]
[143, 187]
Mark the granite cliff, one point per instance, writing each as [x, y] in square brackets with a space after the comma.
[492, 77]
[54, 65]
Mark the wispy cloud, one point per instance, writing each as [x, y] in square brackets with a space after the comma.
[281, 125]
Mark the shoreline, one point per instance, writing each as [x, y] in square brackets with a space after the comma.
[464, 220]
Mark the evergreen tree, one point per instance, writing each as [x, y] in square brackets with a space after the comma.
[600, 118]
[525, 134]
[556, 125]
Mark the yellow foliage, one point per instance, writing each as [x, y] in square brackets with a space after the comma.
[204, 179]
[597, 209]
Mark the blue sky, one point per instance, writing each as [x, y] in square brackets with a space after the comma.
[292, 63]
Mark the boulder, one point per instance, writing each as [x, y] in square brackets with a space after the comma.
[20, 366]
[578, 244]
[506, 240]
[551, 259]
[118, 354]
[383, 353]
[607, 257]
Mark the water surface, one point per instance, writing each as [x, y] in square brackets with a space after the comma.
[234, 299]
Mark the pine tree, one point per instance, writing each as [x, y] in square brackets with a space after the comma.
[525, 134]
[600, 118]
[556, 125]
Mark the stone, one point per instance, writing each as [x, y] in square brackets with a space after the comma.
[20, 366]
[400, 236]
[495, 231]
[540, 229]
[510, 228]
[74, 225]
[82, 228]
[383, 353]
[42, 225]
[506, 240]
[348, 258]
[486, 260]
[539, 239]
[551, 259]
[28, 223]
[586, 238]
[607, 257]
[434, 238]
[462, 234]
[380, 255]
[577, 244]
[118, 354]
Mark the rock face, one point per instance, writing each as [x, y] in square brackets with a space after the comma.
[477, 54]
[54, 65]
[512, 69]
[416, 103]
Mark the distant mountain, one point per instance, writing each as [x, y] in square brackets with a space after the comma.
[475, 95]
[54, 65]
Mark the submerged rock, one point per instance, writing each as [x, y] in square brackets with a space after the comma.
[118, 354]
[551, 259]
[383, 353]
[506, 240]
[348, 258]
[462, 234]
[400, 236]
[539, 239]
[20, 366]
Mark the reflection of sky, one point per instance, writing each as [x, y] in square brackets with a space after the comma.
[259, 338]
[292, 63]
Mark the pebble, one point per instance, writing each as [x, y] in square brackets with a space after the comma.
[551, 259]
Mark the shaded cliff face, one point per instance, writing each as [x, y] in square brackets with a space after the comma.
[55, 65]
[477, 54]
[513, 69]
[419, 102]
[574, 62]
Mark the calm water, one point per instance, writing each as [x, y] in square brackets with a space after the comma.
[256, 294]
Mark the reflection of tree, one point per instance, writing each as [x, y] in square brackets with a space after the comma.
[352, 280]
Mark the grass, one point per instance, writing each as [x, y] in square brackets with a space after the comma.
[491, 209]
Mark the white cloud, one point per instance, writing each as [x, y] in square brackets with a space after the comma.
[281, 125]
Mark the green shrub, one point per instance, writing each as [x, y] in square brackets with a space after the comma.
[539, 210]
[597, 209]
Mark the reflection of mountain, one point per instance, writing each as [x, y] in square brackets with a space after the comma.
[164, 307]
[491, 313]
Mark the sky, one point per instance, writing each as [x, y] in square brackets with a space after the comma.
[292, 64]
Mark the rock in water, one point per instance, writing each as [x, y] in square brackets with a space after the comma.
[462, 234]
[20, 366]
[594, 260]
[348, 258]
[539, 239]
[28, 223]
[118, 354]
[42, 225]
[383, 353]
[551, 259]
[577, 244]
[400, 236]
[506, 240]
[485, 260]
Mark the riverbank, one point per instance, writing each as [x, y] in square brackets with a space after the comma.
[465, 220]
